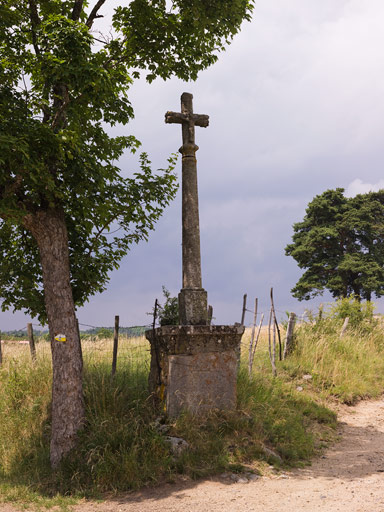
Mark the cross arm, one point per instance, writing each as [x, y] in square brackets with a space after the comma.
[180, 118]
[175, 117]
[201, 120]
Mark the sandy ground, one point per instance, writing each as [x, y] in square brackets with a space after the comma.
[349, 477]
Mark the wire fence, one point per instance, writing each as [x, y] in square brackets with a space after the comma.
[101, 351]
[125, 348]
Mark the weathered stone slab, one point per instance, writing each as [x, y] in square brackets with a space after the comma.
[194, 367]
[201, 382]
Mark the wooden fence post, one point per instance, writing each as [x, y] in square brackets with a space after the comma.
[32, 347]
[238, 354]
[115, 344]
[289, 335]
[276, 325]
[252, 339]
[244, 309]
[78, 332]
[256, 340]
[320, 315]
[274, 345]
[210, 314]
[271, 349]
[345, 325]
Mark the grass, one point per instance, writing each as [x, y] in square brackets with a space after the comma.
[121, 448]
[348, 368]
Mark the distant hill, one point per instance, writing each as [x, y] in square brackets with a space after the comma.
[130, 332]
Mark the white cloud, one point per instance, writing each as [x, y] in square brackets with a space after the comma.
[301, 81]
[359, 187]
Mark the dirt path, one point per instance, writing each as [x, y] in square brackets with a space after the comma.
[349, 477]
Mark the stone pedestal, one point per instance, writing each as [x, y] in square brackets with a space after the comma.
[193, 306]
[194, 367]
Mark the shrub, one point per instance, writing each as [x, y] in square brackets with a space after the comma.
[168, 313]
[350, 307]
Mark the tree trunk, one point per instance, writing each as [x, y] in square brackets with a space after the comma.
[356, 290]
[68, 414]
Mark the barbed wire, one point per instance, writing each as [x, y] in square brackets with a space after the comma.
[93, 326]
[23, 329]
[17, 330]
[263, 312]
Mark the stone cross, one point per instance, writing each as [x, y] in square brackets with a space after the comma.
[192, 297]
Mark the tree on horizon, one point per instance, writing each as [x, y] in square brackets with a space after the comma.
[340, 244]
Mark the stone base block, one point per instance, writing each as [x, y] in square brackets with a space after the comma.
[194, 367]
[193, 306]
[201, 382]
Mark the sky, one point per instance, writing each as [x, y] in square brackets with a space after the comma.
[296, 107]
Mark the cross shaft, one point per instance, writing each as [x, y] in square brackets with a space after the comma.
[192, 298]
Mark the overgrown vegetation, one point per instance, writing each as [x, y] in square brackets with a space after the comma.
[358, 313]
[349, 367]
[168, 312]
[122, 448]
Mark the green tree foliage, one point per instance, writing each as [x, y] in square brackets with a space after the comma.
[61, 84]
[340, 243]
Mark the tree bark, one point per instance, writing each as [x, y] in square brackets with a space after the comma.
[68, 414]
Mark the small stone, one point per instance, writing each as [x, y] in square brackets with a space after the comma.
[241, 480]
[299, 388]
[307, 377]
[270, 453]
[178, 445]
[282, 477]
[163, 429]
[252, 477]
[159, 426]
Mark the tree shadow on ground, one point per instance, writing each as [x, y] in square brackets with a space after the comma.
[358, 454]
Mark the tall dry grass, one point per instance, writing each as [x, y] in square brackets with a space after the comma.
[121, 447]
[349, 367]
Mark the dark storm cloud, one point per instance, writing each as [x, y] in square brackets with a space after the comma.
[295, 108]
